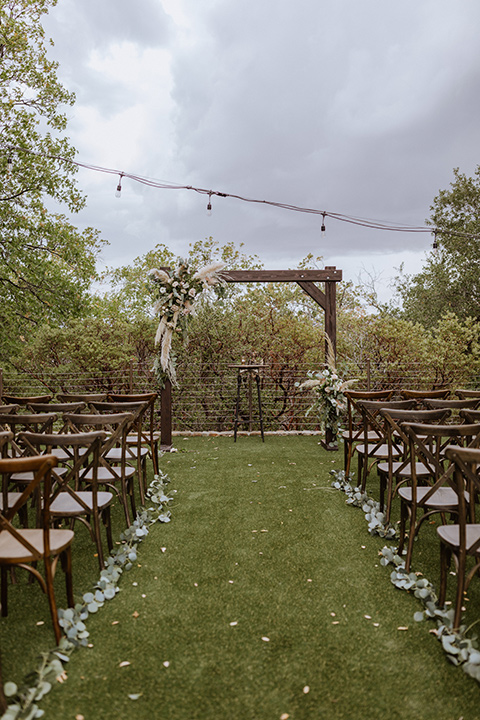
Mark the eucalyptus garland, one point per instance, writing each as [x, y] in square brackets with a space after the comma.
[51, 667]
[460, 649]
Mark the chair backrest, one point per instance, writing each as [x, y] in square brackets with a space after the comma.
[26, 400]
[428, 443]
[7, 409]
[5, 438]
[81, 397]
[470, 416]
[460, 403]
[72, 407]
[395, 417]
[370, 410]
[36, 422]
[116, 425]
[468, 393]
[79, 464]
[422, 394]
[354, 415]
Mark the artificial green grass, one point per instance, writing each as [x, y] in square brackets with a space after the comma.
[307, 584]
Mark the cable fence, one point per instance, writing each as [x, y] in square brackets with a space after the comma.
[206, 396]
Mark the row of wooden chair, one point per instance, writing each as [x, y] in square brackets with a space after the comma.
[411, 447]
[94, 458]
[81, 402]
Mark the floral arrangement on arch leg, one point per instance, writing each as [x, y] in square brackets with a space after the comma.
[329, 394]
[177, 291]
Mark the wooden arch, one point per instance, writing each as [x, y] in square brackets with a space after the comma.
[306, 279]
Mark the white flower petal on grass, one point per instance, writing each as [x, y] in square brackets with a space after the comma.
[232, 624]
[125, 663]
[265, 639]
[306, 690]
[135, 696]
[166, 664]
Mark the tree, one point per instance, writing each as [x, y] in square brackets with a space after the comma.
[46, 264]
[450, 280]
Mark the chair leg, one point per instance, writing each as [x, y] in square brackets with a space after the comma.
[403, 521]
[51, 599]
[445, 559]
[457, 620]
[106, 516]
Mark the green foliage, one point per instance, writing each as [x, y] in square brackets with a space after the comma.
[93, 346]
[450, 280]
[46, 264]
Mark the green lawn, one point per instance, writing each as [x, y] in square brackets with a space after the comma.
[263, 598]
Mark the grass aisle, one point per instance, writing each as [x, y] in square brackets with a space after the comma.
[257, 608]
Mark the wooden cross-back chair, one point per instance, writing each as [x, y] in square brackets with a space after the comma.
[394, 472]
[461, 539]
[427, 445]
[27, 546]
[355, 430]
[75, 494]
[30, 422]
[377, 450]
[135, 449]
[117, 475]
[150, 437]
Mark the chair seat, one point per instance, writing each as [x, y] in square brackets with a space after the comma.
[66, 504]
[24, 478]
[12, 498]
[444, 498]
[115, 454]
[450, 535]
[12, 551]
[420, 469]
[359, 436]
[106, 475]
[380, 452]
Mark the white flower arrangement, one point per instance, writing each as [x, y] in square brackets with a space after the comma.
[329, 393]
[176, 293]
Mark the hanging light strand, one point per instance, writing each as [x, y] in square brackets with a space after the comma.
[163, 185]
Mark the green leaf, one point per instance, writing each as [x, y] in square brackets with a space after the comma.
[10, 689]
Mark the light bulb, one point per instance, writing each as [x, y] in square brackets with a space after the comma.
[118, 191]
[323, 229]
[10, 165]
[209, 206]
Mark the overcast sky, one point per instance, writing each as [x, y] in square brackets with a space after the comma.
[359, 107]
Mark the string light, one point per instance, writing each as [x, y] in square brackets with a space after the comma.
[209, 205]
[150, 182]
[435, 243]
[9, 165]
[118, 191]
[322, 229]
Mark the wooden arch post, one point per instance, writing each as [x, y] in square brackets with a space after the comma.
[306, 279]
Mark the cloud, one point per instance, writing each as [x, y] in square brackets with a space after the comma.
[356, 108]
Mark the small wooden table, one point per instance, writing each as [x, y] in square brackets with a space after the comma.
[252, 371]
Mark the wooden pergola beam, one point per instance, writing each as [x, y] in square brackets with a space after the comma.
[329, 274]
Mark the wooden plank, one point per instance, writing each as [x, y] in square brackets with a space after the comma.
[166, 416]
[328, 274]
[318, 295]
